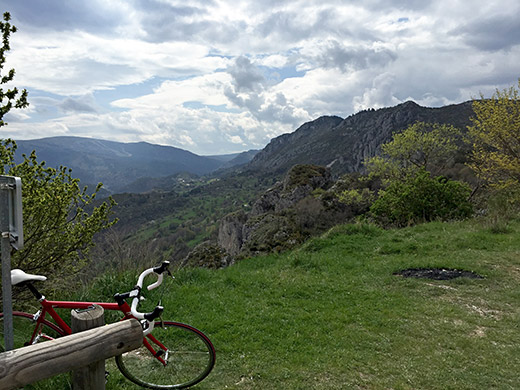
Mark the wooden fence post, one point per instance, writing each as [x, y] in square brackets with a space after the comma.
[91, 377]
[26, 365]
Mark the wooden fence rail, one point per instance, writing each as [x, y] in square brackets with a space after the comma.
[26, 365]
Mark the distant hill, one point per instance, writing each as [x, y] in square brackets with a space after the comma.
[117, 165]
[242, 158]
[343, 144]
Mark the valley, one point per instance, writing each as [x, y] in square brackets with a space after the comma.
[170, 200]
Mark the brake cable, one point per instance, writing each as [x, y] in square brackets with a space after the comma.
[161, 321]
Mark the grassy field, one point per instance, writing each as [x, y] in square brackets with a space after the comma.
[331, 315]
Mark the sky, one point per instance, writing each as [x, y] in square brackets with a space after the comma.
[224, 76]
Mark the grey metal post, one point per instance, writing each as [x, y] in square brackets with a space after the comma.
[6, 264]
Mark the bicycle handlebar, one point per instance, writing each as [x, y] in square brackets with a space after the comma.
[136, 293]
[159, 271]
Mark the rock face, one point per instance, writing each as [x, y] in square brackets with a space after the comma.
[343, 144]
[282, 217]
[230, 232]
[299, 183]
[288, 150]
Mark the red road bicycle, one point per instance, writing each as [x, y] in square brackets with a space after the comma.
[173, 355]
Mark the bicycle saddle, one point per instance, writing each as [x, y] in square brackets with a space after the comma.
[18, 276]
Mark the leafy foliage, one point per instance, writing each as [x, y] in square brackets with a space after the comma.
[495, 135]
[304, 174]
[58, 228]
[411, 195]
[10, 97]
[357, 191]
[420, 146]
[421, 198]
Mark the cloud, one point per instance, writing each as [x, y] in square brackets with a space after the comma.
[249, 89]
[221, 76]
[380, 94]
[245, 76]
[206, 89]
[163, 22]
[498, 32]
[236, 139]
[80, 63]
[334, 54]
[84, 104]
[95, 15]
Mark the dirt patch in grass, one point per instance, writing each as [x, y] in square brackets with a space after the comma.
[437, 273]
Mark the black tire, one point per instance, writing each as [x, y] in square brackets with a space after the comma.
[190, 358]
[23, 328]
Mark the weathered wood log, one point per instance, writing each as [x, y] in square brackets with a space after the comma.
[91, 377]
[44, 360]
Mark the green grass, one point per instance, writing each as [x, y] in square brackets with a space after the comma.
[331, 315]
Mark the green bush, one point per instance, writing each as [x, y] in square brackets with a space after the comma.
[421, 198]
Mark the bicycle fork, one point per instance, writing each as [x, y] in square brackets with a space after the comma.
[162, 354]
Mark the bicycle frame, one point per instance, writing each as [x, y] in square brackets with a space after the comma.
[49, 306]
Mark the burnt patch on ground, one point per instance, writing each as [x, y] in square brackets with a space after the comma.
[437, 273]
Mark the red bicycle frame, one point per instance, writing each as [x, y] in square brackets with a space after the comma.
[49, 306]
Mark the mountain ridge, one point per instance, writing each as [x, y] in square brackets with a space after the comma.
[330, 141]
[343, 144]
[116, 164]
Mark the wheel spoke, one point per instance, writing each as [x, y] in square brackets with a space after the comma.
[190, 357]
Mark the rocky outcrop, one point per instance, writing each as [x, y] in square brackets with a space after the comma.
[208, 255]
[230, 232]
[305, 203]
[343, 144]
[281, 218]
[299, 183]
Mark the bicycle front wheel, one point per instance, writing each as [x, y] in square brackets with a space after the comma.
[26, 332]
[183, 357]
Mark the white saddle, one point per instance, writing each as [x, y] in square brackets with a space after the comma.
[18, 276]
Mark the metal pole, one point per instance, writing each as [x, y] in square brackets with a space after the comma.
[6, 264]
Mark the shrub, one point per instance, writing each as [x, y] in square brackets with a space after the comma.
[421, 198]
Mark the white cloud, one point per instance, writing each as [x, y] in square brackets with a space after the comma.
[381, 94]
[80, 62]
[207, 89]
[236, 139]
[229, 75]
[274, 61]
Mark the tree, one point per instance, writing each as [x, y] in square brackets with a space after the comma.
[9, 97]
[59, 217]
[495, 135]
[60, 220]
[410, 194]
[420, 146]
